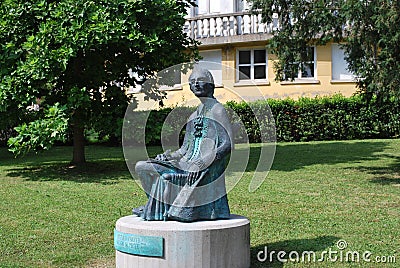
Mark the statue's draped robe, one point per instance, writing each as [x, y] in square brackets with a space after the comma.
[171, 199]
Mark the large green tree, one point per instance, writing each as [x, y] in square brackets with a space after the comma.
[64, 65]
[367, 30]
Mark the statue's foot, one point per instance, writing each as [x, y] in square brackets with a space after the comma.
[138, 211]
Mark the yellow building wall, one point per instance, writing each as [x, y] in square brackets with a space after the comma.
[323, 86]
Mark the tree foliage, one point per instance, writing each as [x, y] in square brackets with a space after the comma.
[367, 30]
[78, 54]
[40, 134]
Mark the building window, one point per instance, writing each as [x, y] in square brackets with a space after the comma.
[242, 5]
[252, 64]
[340, 70]
[207, 7]
[212, 61]
[305, 70]
[204, 7]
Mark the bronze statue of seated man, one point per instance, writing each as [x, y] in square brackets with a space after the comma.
[189, 184]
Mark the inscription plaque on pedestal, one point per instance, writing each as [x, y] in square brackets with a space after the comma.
[139, 244]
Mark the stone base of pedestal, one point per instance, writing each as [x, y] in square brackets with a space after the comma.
[219, 243]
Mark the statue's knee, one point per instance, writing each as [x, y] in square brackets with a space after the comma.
[140, 166]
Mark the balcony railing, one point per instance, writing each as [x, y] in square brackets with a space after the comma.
[232, 24]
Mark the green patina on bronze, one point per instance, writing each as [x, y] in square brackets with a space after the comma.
[189, 184]
[152, 246]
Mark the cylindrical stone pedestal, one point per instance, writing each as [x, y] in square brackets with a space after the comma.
[218, 243]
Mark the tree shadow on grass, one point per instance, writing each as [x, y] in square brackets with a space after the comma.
[389, 175]
[386, 181]
[293, 156]
[5, 154]
[270, 250]
[104, 172]
[288, 157]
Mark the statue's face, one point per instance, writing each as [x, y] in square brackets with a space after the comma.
[201, 85]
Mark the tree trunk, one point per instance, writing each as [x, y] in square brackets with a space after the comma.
[78, 117]
[79, 144]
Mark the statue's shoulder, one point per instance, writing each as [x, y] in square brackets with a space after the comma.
[192, 116]
[219, 110]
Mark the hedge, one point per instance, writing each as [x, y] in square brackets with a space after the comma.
[305, 119]
[327, 118]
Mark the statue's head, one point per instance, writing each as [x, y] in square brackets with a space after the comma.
[201, 83]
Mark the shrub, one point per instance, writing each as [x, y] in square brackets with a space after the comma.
[306, 119]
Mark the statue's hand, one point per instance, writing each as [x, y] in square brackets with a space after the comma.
[199, 163]
[164, 156]
[174, 155]
[160, 157]
[193, 177]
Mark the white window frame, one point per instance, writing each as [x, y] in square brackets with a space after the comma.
[300, 77]
[208, 9]
[251, 64]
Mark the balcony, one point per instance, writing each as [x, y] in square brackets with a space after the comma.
[229, 28]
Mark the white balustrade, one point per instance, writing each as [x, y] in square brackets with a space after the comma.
[219, 27]
[241, 25]
[213, 27]
[199, 28]
[187, 28]
[232, 25]
[206, 28]
[247, 24]
[227, 25]
[261, 25]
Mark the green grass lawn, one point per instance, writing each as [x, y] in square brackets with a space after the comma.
[54, 215]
